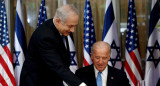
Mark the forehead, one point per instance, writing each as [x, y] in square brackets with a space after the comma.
[73, 19]
[101, 51]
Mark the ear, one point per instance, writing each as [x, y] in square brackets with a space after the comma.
[109, 57]
[57, 21]
[91, 55]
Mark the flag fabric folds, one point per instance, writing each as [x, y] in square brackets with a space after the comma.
[152, 69]
[89, 34]
[42, 13]
[6, 66]
[132, 57]
[110, 35]
[73, 65]
[20, 46]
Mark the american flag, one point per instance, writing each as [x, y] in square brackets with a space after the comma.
[132, 57]
[20, 45]
[89, 34]
[152, 70]
[6, 66]
[110, 35]
[42, 13]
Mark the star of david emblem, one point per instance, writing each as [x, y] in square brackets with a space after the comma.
[73, 62]
[16, 63]
[154, 53]
[118, 57]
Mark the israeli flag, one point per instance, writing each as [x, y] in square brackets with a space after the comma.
[110, 35]
[20, 45]
[152, 70]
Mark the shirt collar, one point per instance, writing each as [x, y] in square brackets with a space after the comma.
[104, 72]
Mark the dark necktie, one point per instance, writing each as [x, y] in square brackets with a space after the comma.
[65, 41]
[67, 45]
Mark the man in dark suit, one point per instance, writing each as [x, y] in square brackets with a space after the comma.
[100, 72]
[48, 59]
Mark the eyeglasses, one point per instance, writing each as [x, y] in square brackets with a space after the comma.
[69, 26]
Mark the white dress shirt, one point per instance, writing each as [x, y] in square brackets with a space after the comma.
[83, 84]
[104, 75]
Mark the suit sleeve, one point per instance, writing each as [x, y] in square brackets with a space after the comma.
[50, 55]
[125, 79]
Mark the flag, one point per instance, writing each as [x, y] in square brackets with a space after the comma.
[152, 69]
[42, 13]
[73, 65]
[20, 46]
[133, 67]
[110, 35]
[6, 66]
[89, 34]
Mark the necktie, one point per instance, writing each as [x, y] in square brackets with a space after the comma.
[67, 45]
[65, 41]
[99, 79]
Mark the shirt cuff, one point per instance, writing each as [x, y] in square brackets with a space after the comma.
[82, 84]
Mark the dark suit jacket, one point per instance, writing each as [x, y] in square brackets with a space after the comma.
[115, 77]
[158, 84]
[47, 62]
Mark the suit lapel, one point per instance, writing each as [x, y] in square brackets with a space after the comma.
[92, 76]
[60, 43]
[58, 36]
[110, 78]
[66, 38]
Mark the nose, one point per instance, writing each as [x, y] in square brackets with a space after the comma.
[72, 29]
[100, 60]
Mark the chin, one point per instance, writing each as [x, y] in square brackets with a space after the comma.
[100, 70]
[65, 34]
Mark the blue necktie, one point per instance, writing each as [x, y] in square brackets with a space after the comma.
[99, 79]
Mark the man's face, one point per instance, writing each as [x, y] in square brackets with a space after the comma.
[69, 25]
[100, 58]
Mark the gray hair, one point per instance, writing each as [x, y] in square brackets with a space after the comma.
[64, 11]
[101, 44]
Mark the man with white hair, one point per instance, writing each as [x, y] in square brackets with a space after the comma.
[100, 73]
[48, 59]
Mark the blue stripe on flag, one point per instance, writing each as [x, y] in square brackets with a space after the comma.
[19, 29]
[154, 18]
[109, 17]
